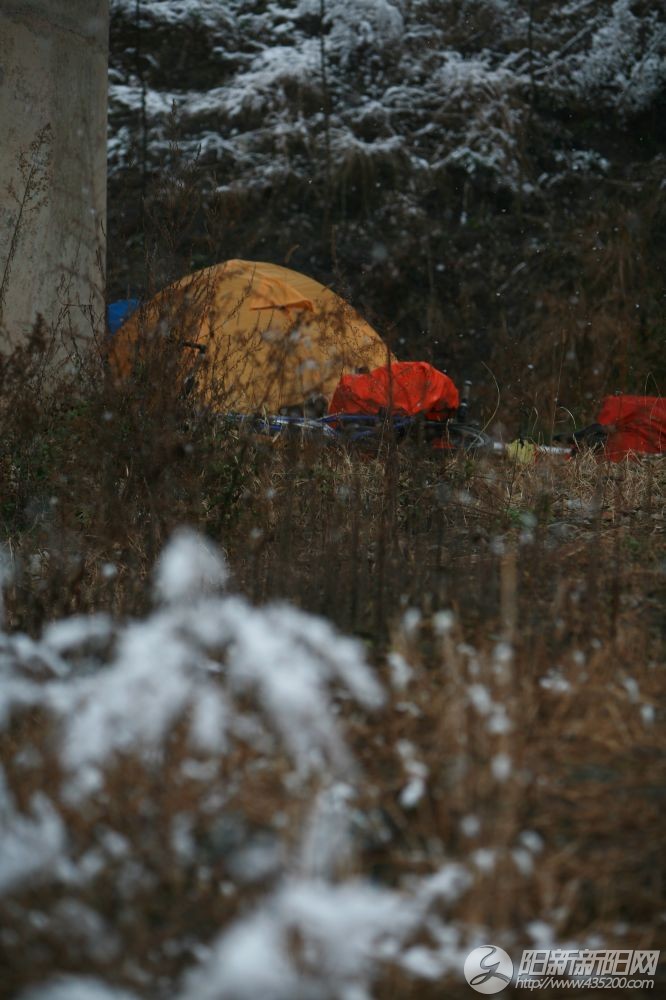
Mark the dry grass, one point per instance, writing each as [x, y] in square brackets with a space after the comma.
[515, 614]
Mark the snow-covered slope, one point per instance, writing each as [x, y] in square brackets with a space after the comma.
[448, 165]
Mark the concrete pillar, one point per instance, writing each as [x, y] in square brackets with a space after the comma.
[53, 99]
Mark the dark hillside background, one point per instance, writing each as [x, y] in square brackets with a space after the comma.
[484, 179]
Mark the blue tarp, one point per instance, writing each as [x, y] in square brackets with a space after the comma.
[118, 312]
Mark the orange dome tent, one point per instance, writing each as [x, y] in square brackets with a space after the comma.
[262, 336]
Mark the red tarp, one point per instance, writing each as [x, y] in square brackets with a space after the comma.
[635, 424]
[405, 387]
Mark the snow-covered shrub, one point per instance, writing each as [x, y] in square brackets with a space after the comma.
[340, 930]
[367, 25]
[219, 800]
[619, 62]
[182, 813]
[211, 723]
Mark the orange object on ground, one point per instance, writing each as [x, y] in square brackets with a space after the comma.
[404, 387]
[634, 424]
[262, 336]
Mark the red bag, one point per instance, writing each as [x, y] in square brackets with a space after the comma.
[402, 388]
[635, 424]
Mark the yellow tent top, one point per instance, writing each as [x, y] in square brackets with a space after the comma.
[264, 336]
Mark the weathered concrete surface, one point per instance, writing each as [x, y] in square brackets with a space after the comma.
[53, 100]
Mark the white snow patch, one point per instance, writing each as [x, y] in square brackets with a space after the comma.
[76, 988]
[501, 766]
[29, 844]
[188, 568]
[340, 929]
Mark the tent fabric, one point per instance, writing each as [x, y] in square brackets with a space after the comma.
[118, 312]
[272, 337]
[404, 387]
[634, 425]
